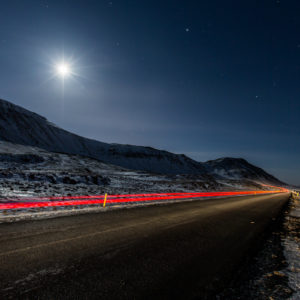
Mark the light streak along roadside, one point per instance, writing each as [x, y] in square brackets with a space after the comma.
[99, 199]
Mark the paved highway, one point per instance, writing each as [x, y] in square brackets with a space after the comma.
[184, 250]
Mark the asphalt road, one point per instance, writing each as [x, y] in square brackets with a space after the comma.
[178, 251]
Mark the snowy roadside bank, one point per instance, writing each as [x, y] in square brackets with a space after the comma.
[274, 272]
[291, 245]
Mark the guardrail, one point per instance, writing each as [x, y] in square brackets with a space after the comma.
[36, 202]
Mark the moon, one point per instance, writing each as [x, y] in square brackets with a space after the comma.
[63, 70]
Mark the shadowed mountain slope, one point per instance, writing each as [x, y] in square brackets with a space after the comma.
[21, 126]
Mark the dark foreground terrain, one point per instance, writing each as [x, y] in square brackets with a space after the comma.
[183, 250]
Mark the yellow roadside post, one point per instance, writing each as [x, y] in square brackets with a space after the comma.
[104, 199]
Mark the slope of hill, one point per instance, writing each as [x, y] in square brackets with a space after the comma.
[23, 127]
[228, 167]
[30, 171]
[20, 126]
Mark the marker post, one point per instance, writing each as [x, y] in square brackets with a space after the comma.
[105, 200]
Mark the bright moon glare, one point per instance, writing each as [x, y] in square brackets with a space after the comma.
[63, 70]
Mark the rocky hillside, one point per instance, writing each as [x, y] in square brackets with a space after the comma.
[20, 126]
[237, 168]
[23, 127]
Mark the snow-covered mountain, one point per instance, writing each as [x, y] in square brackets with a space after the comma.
[238, 168]
[30, 171]
[20, 126]
[23, 127]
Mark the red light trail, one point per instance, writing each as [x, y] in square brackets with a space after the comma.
[36, 202]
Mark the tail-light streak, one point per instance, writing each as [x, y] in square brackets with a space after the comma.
[35, 202]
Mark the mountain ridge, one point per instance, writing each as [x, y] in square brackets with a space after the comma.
[21, 126]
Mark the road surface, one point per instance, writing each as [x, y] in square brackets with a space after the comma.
[185, 250]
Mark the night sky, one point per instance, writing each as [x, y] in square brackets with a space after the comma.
[204, 78]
